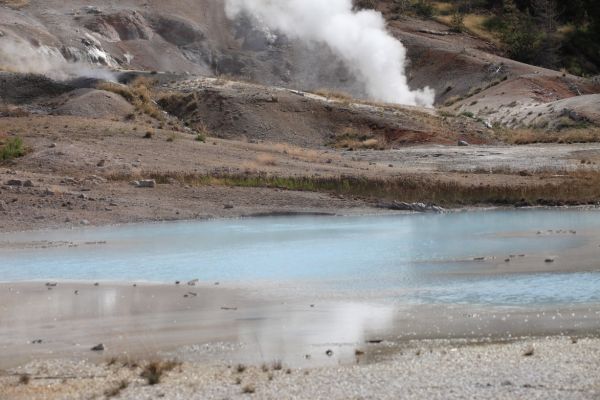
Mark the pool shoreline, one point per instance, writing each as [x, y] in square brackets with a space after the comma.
[150, 320]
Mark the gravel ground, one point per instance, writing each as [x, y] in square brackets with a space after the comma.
[550, 368]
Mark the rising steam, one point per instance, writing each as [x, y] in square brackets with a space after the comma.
[359, 38]
[17, 55]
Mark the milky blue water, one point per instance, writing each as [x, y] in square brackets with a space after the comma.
[410, 258]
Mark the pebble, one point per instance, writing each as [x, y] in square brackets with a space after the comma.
[98, 347]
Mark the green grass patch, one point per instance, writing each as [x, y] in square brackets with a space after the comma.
[12, 148]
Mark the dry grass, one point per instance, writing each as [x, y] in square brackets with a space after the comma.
[13, 111]
[139, 93]
[154, 371]
[297, 153]
[14, 3]
[24, 379]
[117, 389]
[248, 389]
[571, 189]
[265, 159]
[335, 95]
[354, 138]
[530, 136]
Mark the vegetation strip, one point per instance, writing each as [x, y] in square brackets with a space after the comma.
[571, 189]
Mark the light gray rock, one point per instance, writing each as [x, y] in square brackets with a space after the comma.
[146, 183]
[463, 143]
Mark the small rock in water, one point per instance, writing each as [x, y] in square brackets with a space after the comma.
[98, 347]
[463, 143]
[549, 260]
[529, 351]
[329, 353]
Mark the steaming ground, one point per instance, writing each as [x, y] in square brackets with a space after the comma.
[359, 38]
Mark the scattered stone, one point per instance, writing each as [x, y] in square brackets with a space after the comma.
[463, 143]
[98, 347]
[3, 206]
[549, 260]
[177, 282]
[96, 284]
[375, 341]
[228, 206]
[28, 183]
[528, 351]
[76, 292]
[229, 308]
[506, 383]
[14, 182]
[329, 353]
[51, 284]
[101, 163]
[52, 145]
[84, 222]
[36, 341]
[193, 282]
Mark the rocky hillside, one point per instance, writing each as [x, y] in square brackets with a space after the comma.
[195, 37]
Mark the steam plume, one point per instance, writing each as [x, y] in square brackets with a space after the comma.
[360, 39]
[18, 55]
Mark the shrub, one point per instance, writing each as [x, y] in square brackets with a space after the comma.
[457, 24]
[365, 4]
[12, 148]
[154, 371]
[423, 8]
[138, 93]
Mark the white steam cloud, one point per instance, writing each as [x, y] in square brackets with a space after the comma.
[359, 38]
[17, 55]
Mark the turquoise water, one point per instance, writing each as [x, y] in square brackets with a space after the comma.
[410, 258]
